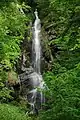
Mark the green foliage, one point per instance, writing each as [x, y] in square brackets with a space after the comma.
[64, 98]
[44, 5]
[12, 30]
[4, 91]
[13, 26]
[61, 24]
[9, 112]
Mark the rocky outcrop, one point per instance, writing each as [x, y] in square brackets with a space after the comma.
[31, 84]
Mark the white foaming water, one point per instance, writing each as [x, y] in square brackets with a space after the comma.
[36, 77]
[36, 47]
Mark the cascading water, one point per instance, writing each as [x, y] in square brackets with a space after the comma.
[37, 81]
[36, 47]
[31, 79]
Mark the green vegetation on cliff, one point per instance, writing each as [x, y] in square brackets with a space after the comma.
[60, 21]
[61, 26]
[13, 27]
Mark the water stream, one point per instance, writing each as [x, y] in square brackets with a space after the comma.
[31, 78]
[36, 47]
[37, 81]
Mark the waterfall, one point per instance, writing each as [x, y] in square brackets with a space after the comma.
[31, 80]
[36, 48]
[37, 81]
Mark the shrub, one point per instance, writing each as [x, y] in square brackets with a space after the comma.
[9, 112]
[64, 100]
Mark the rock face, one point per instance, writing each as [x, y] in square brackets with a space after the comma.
[31, 80]
[31, 83]
[25, 81]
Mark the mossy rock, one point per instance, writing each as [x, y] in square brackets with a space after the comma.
[12, 78]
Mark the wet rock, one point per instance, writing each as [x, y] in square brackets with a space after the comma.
[31, 85]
